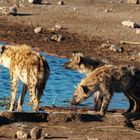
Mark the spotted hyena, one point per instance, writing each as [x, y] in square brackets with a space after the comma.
[28, 66]
[102, 79]
[82, 63]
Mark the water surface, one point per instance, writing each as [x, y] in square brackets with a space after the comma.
[59, 89]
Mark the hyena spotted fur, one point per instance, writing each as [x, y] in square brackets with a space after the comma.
[102, 79]
[28, 66]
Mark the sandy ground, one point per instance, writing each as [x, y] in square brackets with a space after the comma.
[86, 26]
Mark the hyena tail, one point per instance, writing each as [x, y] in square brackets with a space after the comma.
[98, 98]
[44, 74]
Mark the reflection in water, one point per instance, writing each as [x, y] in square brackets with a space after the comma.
[59, 88]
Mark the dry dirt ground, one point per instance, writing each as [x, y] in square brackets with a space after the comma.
[88, 26]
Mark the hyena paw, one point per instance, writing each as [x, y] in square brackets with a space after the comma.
[11, 109]
[100, 113]
[35, 108]
[19, 109]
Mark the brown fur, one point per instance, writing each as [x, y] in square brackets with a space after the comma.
[82, 64]
[102, 79]
[30, 67]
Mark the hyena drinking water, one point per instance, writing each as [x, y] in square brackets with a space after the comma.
[102, 79]
[30, 67]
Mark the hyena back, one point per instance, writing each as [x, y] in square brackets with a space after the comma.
[30, 67]
[101, 80]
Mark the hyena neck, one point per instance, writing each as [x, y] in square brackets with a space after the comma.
[86, 69]
[87, 65]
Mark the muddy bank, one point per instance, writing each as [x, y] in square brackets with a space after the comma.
[88, 27]
[66, 124]
[96, 47]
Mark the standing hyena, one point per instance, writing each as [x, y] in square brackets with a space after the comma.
[102, 79]
[30, 67]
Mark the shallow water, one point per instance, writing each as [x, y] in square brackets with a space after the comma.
[59, 89]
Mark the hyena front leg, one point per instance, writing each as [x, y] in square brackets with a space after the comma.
[107, 95]
[14, 83]
[21, 98]
[98, 99]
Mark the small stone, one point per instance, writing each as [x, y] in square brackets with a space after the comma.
[119, 49]
[130, 24]
[8, 11]
[133, 1]
[115, 48]
[108, 10]
[21, 134]
[137, 31]
[57, 26]
[57, 37]
[60, 2]
[104, 45]
[35, 1]
[52, 29]
[36, 132]
[46, 135]
[38, 30]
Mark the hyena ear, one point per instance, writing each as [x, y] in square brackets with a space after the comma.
[2, 49]
[76, 53]
[84, 89]
[77, 59]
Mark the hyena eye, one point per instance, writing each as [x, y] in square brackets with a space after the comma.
[85, 89]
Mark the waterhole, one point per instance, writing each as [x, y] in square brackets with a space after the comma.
[59, 88]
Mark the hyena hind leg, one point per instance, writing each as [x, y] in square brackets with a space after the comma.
[21, 98]
[14, 83]
[136, 107]
[132, 104]
[34, 97]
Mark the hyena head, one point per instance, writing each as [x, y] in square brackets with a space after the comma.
[74, 61]
[81, 93]
[4, 56]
